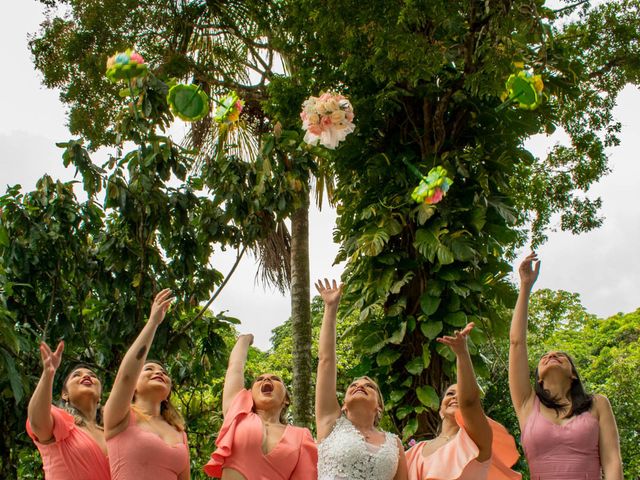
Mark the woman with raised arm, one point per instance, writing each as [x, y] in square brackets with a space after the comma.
[70, 439]
[350, 445]
[567, 434]
[145, 434]
[470, 446]
[255, 441]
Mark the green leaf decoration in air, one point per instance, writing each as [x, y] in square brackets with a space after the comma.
[188, 102]
[428, 397]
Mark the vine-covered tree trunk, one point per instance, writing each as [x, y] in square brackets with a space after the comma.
[301, 316]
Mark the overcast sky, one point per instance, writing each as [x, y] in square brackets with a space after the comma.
[603, 266]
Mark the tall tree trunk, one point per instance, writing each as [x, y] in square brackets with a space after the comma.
[301, 316]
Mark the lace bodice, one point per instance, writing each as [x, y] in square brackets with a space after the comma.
[345, 455]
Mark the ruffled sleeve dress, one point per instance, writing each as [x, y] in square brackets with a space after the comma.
[239, 447]
[457, 460]
[72, 454]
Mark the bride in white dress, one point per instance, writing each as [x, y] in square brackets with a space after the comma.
[350, 446]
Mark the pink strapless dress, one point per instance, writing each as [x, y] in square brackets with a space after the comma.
[239, 444]
[456, 460]
[562, 452]
[73, 454]
[136, 454]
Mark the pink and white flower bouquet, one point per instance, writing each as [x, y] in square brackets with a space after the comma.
[327, 119]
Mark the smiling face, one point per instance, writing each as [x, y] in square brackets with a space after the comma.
[449, 403]
[364, 391]
[81, 382]
[555, 361]
[268, 392]
[154, 381]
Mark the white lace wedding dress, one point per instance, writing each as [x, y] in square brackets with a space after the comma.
[345, 455]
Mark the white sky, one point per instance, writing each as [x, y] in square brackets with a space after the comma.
[603, 266]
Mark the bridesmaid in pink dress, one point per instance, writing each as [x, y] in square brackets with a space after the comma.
[145, 434]
[567, 434]
[69, 439]
[255, 441]
[470, 445]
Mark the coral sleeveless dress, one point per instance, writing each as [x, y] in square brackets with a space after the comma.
[346, 455]
[137, 454]
[239, 446]
[562, 452]
[456, 460]
[73, 454]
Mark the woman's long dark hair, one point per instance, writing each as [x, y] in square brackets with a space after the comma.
[581, 401]
[78, 417]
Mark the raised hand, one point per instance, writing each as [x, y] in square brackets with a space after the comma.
[51, 360]
[248, 337]
[529, 270]
[330, 292]
[458, 342]
[160, 306]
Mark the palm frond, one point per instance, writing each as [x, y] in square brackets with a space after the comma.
[274, 258]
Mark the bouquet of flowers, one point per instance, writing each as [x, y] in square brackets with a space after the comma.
[229, 109]
[327, 119]
[125, 66]
[524, 89]
[433, 187]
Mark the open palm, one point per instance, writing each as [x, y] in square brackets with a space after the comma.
[330, 292]
[458, 341]
[51, 360]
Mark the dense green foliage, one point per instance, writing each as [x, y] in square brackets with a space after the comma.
[425, 79]
[86, 271]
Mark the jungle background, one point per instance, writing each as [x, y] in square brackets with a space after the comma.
[82, 260]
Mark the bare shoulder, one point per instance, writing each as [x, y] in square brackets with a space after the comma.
[601, 406]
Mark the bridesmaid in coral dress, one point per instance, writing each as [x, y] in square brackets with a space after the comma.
[470, 445]
[145, 434]
[255, 441]
[70, 439]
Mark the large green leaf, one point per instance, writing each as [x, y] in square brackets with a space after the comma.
[428, 397]
[429, 304]
[415, 366]
[431, 329]
[399, 334]
[457, 319]
[14, 376]
[387, 356]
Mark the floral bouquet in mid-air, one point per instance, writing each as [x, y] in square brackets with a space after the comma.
[327, 119]
[125, 65]
[229, 109]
